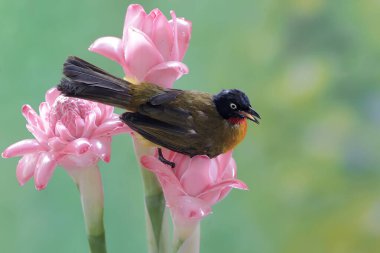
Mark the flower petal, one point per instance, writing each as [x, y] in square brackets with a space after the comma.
[228, 173]
[134, 17]
[187, 207]
[182, 34]
[51, 95]
[101, 147]
[197, 176]
[89, 125]
[63, 132]
[108, 127]
[37, 133]
[162, 35]
[226, 166]
[56, 144]
[21, 148]
[122, 130]
[110, 47]
[77, 147]
[166, 73]
[25, 168]
[147, 27]
[169, 182]
[44, 170]
[79, 126]
[31, 116]
[140, 54]
[106, 113]
[213, 193]
[44, 116]
[71, 161]
[223, 160]
[183, 162]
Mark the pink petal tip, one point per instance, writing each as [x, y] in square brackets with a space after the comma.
[106, 158]
[40, 187]
[240, 185]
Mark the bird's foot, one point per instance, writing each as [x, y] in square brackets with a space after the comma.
[163, 160]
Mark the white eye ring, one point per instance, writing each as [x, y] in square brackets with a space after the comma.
[233, 106]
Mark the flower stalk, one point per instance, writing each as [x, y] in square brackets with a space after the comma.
[89, 183]
[156, 226]
[186, 237]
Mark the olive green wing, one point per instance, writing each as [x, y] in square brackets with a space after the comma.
[164, 121]
[174, 137]
[164, 107]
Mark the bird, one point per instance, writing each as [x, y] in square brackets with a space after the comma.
[185, 121]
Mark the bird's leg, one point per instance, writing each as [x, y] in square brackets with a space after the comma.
[163, 160]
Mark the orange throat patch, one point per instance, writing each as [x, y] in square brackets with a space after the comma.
[239, 128]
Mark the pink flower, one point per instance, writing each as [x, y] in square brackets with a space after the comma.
[69, 132]
[195, 184]
[152, 47]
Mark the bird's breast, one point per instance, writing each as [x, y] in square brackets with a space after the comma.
[236, 133]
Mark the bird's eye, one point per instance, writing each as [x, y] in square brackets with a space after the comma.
[233, 106]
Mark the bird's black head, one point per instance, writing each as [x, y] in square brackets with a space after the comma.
[234, 105]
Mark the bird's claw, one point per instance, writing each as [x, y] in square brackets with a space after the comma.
[163, 160]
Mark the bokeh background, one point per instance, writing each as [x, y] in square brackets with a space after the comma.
[312, 70]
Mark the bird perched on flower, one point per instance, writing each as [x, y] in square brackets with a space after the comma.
[189, 122]
[195, 184]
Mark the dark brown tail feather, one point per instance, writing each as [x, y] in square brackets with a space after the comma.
[84, 80]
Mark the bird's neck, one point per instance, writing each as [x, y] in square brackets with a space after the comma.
[236, 120]
[236, 133]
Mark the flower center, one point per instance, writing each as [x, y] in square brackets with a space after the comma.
[69, 111]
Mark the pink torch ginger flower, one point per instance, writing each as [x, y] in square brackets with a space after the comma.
[151, 49]
[195, 184]
[69, 132]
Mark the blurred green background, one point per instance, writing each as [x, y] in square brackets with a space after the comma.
[312, 70]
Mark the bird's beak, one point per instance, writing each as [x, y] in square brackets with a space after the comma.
[251, 115]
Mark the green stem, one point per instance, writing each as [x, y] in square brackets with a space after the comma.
[89, 183]
[186, 237]
[154, 204]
